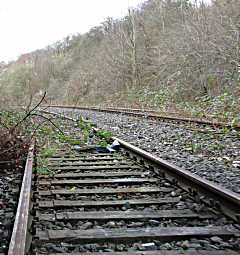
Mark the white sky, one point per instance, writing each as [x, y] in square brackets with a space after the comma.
[27, 25]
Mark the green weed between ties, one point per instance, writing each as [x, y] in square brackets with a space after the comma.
[44, 171]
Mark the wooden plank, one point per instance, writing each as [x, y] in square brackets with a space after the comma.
[110, 191]
[42, 234]
[46, 204]
[98, 181]
[95, 167]
[88, 163]
[104, 191]
[8, 215]
[19, 235]
[90, 203]
[94, 174]
[91, 157]
[159, 252]
[44, 193]
[14, 191]
[163, 233]
[47, 217]
[112, 215]
[112, 154]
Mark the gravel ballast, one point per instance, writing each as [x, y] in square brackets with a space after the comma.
[208, 152]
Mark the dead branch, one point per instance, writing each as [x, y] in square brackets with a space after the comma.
[29, 113]
[47, 119]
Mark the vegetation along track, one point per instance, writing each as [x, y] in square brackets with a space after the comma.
[126, 202]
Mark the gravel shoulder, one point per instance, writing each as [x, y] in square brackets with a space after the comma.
[210, 153]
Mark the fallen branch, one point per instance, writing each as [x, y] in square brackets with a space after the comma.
[29, 113]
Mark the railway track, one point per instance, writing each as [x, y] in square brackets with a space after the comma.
[153, 115]
[126, 202]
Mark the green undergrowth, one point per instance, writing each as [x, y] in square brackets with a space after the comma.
[47, 153]
[86, 130]
[19, 126]
[42, 171]
[52, 140]
[224, 107]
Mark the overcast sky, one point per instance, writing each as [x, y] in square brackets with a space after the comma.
[27, 25]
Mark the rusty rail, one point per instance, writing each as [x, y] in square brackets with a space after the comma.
[231, 196]
[19, 236]
[227, 200]
[148, 114]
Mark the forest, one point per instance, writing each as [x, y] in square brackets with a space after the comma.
[167, 55]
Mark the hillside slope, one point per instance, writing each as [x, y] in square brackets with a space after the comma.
[164, 55]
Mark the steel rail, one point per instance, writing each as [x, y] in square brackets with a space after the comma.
[214, 194]
[147, 114]
[211, 186]
[166, 112]
[230, 200]
[19, 236]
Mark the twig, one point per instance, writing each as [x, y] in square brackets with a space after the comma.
[47, 119]
[29, 113]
